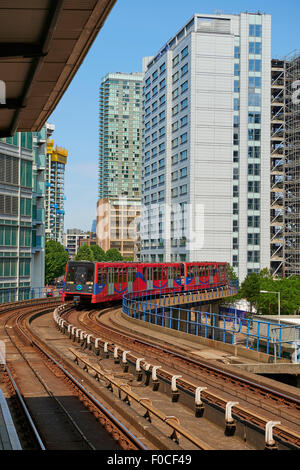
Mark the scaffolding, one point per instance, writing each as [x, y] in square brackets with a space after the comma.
[292, 167]
[277, 166]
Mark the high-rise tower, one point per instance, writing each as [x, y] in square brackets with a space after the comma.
[206, 144]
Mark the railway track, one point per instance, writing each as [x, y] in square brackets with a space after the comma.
[50, 399]
[265, 400]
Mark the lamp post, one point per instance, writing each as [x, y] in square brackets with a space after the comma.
[272, 292]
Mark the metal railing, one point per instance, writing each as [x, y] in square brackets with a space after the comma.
[167, 309]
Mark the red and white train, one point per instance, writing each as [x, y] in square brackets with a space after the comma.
[101, 282]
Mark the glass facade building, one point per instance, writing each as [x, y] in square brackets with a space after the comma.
[56, 160]
[120, 104]
[22, 191]
[119, 135]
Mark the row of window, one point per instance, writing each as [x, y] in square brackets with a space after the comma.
[177, 91]
[181, 56]
[179, 74]
[181, 191]
[155, 89]
[8, 267]
[179, 107]
[154, 181]
[160, 196]
[154, 167]
[179, 140]
[155, 74]
[181, 173]
[179, 157]
[180, 123]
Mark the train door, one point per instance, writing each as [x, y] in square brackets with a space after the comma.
[130, 279]
[171, 276]
[211, 274]
[197, 275]
[110, 286]
[149, 278]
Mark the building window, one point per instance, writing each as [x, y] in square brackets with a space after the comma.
[183, 155]
[183, 189]
[255, 30]
[162, 99]
[175, 60]
[184, 86]
[254, 99]
[184, 52]
[183, 121]
[174, 159]
[254, 118]
[184, 103]
[183, 172]
[175, 77]
[184, 69]
[162, 84]
[254, 47]
[183, 138]
[253, 134]
[254, 65]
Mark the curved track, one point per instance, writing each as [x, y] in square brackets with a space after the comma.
[49, 391]
[260, 400]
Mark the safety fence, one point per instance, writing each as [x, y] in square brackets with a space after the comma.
[164, 309]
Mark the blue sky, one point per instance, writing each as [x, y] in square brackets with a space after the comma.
[134, 29]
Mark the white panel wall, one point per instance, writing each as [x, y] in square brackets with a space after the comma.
[211, 144]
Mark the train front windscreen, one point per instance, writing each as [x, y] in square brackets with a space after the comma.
[80, 277]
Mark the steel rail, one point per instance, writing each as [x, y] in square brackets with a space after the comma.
[281, 431]
[25, 410]
[144, 403]
[135, 441]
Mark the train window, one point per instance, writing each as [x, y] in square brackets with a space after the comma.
[164, 273]
[155, 274]
[124, 274]
[145, 274]
[182, 272]
[71, 275]
[131, 274]
[116, 277]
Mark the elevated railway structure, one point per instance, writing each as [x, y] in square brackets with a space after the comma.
[150, 387]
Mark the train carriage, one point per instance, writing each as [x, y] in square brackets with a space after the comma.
[106, 281]
[204, 275]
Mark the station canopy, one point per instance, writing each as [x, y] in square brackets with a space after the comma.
[42, 45]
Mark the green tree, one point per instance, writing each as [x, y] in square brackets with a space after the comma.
[56, 259]
[98, 253]
[84, 253]
[250, 289]
[231, 273]
[113, 255]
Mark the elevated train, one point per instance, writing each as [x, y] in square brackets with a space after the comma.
[93, 282]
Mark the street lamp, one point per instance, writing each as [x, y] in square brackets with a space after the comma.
[272, 292]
